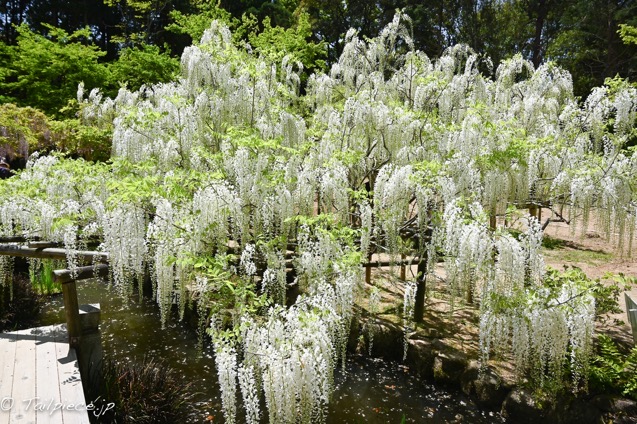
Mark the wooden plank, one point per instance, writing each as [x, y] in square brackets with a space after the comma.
[385, 263]
[8, 344]
[16, 239]
[42, 244]
[71, 391]
[24, 379]
[39, 374]
[49, 401]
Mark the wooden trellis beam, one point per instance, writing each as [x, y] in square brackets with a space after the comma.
[49, 253]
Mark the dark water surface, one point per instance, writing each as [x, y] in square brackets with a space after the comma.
[371, 391]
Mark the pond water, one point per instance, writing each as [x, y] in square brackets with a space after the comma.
[370, 391]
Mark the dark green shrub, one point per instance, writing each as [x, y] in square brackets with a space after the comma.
[142, 392]
[24, 130]
[19, 304]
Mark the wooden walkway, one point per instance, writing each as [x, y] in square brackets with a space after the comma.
[39, 378]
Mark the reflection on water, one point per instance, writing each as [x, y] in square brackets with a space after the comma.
[371, 391]
[376, 391]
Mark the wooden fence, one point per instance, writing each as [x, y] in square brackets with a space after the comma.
[631, 310]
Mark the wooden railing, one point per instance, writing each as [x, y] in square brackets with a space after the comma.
[35, 248]
[66, 277]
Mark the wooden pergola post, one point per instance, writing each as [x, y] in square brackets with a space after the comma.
[69, 290]
[72, 312]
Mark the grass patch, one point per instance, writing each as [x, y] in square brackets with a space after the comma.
[590, 257]
[567, 251]
[41, 276]
[552, 243]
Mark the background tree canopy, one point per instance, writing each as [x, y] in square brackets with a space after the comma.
[48, 46]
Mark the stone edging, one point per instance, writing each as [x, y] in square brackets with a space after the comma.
[434, 360]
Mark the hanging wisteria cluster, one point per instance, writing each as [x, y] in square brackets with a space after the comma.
[544, 332]
[289, 355]
[229, 180]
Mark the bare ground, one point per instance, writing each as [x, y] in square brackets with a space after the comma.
[589, 250]
[457, 324]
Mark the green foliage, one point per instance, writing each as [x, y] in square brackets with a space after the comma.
[132, 189]
[139, 7]
[276, 42]
[572, 32]
[553, 281]
[551, 243]
[606, 291]
[225, 296]
[139, 183]
[322, 220]
[613, 371]
[628, 34]
[427, 173]
[271, 41]
[138, 22]
[281, 12]
[23, 130]
[6, 55]
[250, 138]
[44, 72]
[515, 151]
[143, 64]
[616, 85]
[86, 141]
[41, 276]
[515, 29]
[194, 24]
